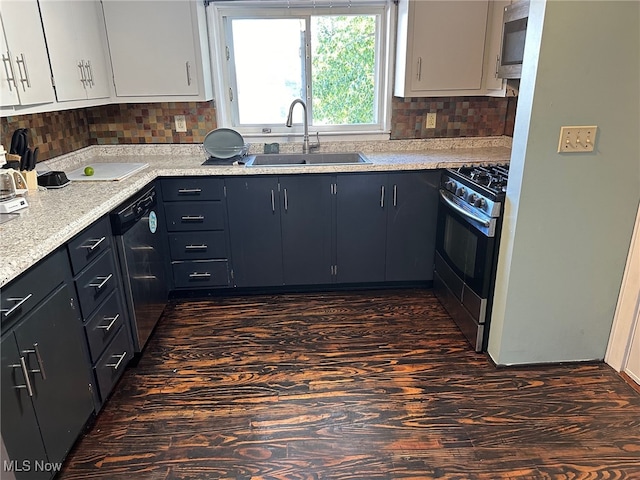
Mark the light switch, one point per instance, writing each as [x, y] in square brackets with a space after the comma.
[577, 139]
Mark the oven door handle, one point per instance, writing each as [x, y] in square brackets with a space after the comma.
[463, 212]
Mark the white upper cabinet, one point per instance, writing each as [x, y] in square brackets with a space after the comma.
[77, 48]
[25, 74]
[159, 49]
[443, 48]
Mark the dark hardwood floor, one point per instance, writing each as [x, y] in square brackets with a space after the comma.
[363, 385]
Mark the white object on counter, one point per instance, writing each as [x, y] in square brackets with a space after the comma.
[106, 172]
[3, 158]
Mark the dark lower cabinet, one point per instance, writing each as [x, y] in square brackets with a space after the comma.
[45, 372]
[281, 229]
[411, 219]
[386, 226]
[307, 229]
[253, 204]
[361, 227]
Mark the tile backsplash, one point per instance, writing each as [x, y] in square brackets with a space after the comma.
[57, 133]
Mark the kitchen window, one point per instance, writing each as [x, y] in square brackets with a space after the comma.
[333, 56]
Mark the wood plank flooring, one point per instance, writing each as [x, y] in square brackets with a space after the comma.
[363, 385]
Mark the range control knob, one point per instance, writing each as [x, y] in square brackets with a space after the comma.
[472, 198]
[480, 202]
[461, 192]
[450, 185]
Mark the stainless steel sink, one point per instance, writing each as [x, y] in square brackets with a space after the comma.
[292, 159]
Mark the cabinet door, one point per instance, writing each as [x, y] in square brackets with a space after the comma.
[28, 53]
[361, 219]
[74, 32]
[8, 82]
[411, 226]
[306, 219]
[456, 64]
[253, 204]
[20, 431]
[152, 47]
[50, 339]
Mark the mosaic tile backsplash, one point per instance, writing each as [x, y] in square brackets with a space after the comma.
[57, 133]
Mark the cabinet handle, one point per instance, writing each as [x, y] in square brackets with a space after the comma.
[395, 195]
[286, 200]
[25, 373]
[87, 67]
[196, 247]
[188, 73]
[113, 321]
[192, 218]
[9, 71]
[83, 78]
[419, 68]
[36, 350]
[200, 275]
[103, 281]
[497, 65]
[116, 365]
[26, 78]
[189, 191]
[273, 202]
[17, 305]
[382, 196]
[95, 243]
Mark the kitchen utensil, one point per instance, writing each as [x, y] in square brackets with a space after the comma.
[34, 159]
[54, 179]
[12, 183]
[224, 143]
[25, 160]
[106, 172]
[17, 140]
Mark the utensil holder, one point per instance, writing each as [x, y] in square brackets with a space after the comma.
[31, 177]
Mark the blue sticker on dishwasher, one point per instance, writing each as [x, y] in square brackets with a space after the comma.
[153, 221]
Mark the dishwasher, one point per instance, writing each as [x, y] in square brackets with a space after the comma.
[138, 238]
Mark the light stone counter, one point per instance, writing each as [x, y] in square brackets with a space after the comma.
[55, 216]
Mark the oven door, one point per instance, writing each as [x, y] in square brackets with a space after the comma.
[465, 241]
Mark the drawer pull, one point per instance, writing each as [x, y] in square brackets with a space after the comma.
[103, 281]
[23, 365]
[113, 321]
[200, 275]
[40, 370]
[96, 242]
[116, 365]
[192, 218]
[189, 191]
[17, 305]
[196, 247]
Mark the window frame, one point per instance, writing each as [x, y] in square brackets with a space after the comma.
[219, 13]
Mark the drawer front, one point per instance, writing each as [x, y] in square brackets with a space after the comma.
[96, 282]
[191, 216]
[104, 324]
[112, 363]
[192, 189]
[198, 245]
[89, 244]
[196, 274]
[25, 292]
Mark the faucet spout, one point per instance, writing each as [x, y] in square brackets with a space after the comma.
[289, 123]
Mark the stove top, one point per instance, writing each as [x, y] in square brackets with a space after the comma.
[491, 177]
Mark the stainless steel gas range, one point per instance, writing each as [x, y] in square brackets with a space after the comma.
[468, 234]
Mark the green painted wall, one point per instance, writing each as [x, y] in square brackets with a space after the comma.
[569, 218]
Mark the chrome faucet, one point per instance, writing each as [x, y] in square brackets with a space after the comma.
[289, 123]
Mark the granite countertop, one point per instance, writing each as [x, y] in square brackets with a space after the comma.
[57, 215]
